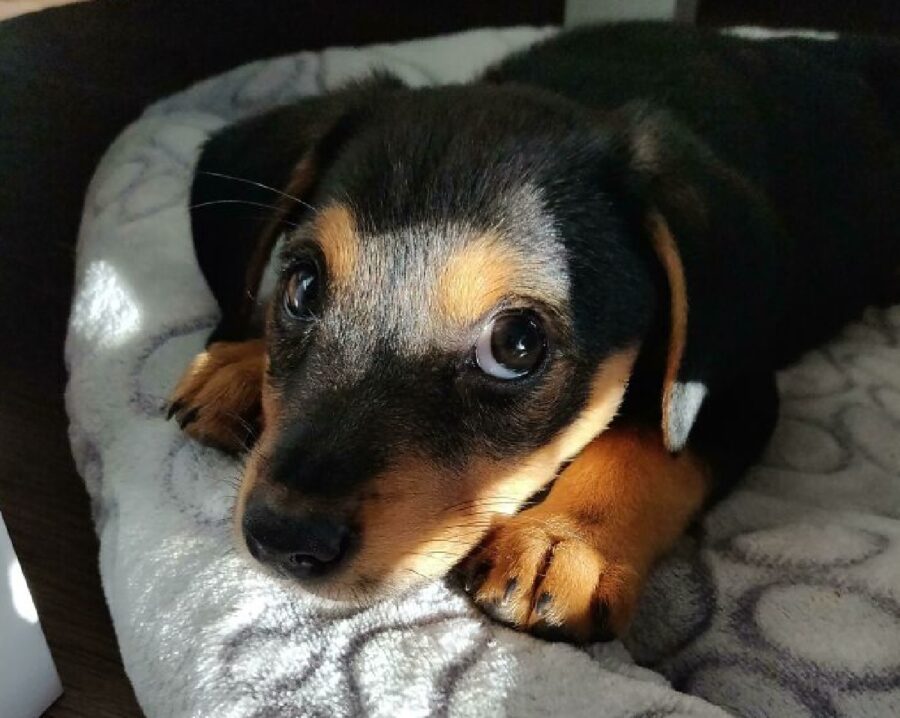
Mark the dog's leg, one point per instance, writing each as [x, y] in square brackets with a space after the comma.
[240, 201]
[218, 398]
[572, 567]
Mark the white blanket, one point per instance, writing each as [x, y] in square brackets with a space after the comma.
[789, 606]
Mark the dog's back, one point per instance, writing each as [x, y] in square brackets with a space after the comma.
[814, 124]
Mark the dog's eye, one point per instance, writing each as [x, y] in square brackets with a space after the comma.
[301, 291]
[511, 345]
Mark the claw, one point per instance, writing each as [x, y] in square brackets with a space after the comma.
[188, 417]
[511, 587]
[174, 408]
[476, 578]
[603, 633]
[543, 603]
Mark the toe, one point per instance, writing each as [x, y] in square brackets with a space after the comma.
[188, 417]
[566, 595]
[616, 600]
[516, 556]
[175, 406]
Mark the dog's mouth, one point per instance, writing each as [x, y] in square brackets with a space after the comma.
[386, 550]
[409, 526]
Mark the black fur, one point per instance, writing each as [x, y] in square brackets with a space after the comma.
[813, 125]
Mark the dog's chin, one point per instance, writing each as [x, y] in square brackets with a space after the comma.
[357, 593]
[363, 590]
[355, 589]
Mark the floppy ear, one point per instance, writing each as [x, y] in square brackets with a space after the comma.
[254, 179]
[719, 246]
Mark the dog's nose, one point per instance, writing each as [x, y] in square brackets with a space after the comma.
[304, 547]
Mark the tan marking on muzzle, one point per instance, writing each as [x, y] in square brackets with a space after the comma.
[271, 412]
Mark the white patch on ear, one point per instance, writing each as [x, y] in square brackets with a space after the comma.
[685, 400]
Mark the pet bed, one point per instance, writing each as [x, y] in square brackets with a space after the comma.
[789, 605]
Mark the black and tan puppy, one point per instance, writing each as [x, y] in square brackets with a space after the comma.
[572, 279]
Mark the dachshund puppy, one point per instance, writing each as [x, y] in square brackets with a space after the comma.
[528, 326]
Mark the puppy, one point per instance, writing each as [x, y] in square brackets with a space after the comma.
[533, 321]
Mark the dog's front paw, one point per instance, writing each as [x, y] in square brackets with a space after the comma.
[555, 577]
[218, 400]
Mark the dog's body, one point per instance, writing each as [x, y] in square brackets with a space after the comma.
[585, 266]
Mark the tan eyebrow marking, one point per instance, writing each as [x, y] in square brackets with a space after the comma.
[335, 231]
[490, 268]
[477, 277]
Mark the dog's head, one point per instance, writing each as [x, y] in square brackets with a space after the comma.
[467, 277]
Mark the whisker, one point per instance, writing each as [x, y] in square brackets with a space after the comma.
[269, 217]
[463, 533]
[420, 575]
[248, 427]
[241, 440]
[234, 482]
[274, 209]
[488, 502]
[249, 203]
[261, 185]
[429, 554]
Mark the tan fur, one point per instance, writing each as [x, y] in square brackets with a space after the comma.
[271, 413]
[335, 231]
[667, 252]
[619, 506]
[487, 270]
[217, 397]
[477, 278]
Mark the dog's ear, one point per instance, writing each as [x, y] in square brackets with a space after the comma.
[255, 178]
[719, 247]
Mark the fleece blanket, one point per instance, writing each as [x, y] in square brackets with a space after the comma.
[789, 605]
